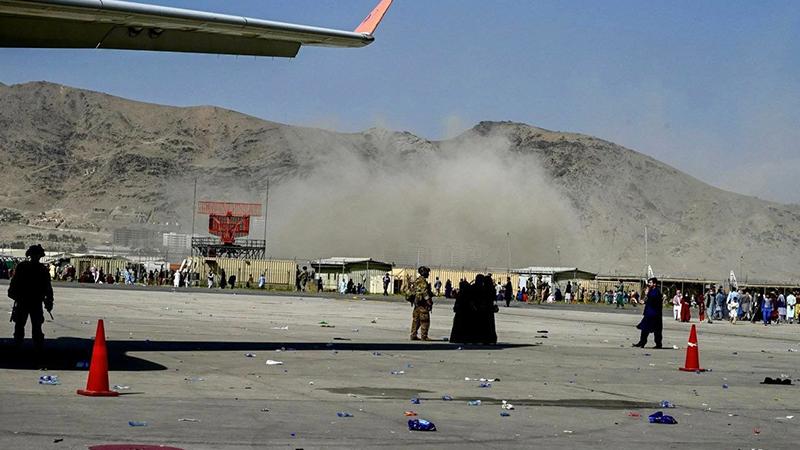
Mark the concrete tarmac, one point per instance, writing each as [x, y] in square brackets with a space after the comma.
[181, 359]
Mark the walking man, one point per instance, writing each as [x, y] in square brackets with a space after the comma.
[651, 317]
[386, 280]
[676, 305]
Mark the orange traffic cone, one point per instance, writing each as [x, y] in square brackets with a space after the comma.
[692, 354]
[97, 384]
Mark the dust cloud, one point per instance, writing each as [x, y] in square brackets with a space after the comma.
[454, 203]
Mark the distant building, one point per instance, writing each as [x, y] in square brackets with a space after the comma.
[136, 238]
[177, 244]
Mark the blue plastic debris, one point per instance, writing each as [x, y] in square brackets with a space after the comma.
[660, 417]
[49, 379]
[420, 425]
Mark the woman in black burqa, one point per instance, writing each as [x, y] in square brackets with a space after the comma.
[474, 313]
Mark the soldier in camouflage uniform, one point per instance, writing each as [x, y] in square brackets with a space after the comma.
[423, 304]
[30, 288]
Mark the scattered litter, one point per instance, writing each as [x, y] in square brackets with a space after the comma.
[415, 401]
[474, 403]
[674, 347]
[327, 326]
[352, 395]
[135, 423]
[485, 385]
[311, 383]
[409, 414]
[341, 339]
[768, 380]
[85, 322]
[82, 365]
[506, 405]
[634, 414]
[120, 387]
[447, 398]
[504, 414]
[756, 431]
[725, 386]
[343, 414]
[194, 379]
[49, 379]
[375, 320]
[398, 372]
[409, 366]
[264, 409]
[250, 355]
[660, 417]
[542, 331]
[281, 328]
[568, 431]
[667, 404]
[420, 425]
[57, 440]
[354, 330]
[790, 417]
[792, 350]
[322, 322]
[274, 363]
[376, 353]
[188, 419]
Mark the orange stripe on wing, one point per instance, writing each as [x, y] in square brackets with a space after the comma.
[370, 23]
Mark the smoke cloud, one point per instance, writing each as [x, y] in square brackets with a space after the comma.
[458, 203]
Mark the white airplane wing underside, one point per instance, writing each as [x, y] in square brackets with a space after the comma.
[124, 25]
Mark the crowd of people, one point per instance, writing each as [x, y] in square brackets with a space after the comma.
[771, 307]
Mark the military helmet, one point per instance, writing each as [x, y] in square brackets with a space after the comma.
[424, 271]
[34, 251]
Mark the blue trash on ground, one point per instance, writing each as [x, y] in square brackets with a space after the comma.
[660, 417]
[420, 425]
[49, 379]
[136, 423]
[344, 414]
[667, 404]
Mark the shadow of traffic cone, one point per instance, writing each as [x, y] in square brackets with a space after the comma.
[692, 354]
[97, 384]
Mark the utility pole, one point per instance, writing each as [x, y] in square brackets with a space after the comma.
[508, 245]
[266, 209]
[645, 249]
[194, 207]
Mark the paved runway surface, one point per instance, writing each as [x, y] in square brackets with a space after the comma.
[182, 356]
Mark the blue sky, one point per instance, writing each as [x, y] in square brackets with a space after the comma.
[710, 87]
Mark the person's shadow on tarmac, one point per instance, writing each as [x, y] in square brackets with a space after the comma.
[67, 353]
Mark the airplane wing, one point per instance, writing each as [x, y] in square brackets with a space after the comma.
[125, 25]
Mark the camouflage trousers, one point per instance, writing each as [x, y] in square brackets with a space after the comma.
[420, 320]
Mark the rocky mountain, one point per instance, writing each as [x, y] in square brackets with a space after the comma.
[83, 163]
